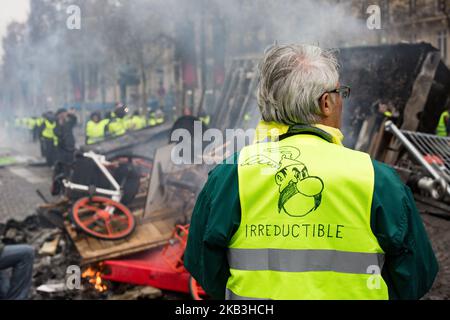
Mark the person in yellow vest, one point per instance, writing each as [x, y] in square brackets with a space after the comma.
[443, 126]
[205, 118]
[159, 117]
[40, 123]
[95, 129]
[127, 122]
[297, 215]
[138, 121]
[30, 123]
[117, 126]
[37, 124]
[152, 119]
[49, 139]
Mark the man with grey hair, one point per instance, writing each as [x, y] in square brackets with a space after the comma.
[297, 215]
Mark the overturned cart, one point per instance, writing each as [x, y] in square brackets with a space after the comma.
[163, 199]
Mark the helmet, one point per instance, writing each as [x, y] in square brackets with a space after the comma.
[121, 110]
[95, 114]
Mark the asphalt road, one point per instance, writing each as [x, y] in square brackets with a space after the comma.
[439, 232]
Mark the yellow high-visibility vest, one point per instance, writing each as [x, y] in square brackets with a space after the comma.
[137, 122]
[152, 120]
[39, 121]
[31, 123]
[95, 131]
[117, 127]
[48, 132]
[206, 120]
[305, 225]
[441, 129]
[160, 119]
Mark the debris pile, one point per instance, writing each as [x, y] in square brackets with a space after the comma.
[386, 74]
[55, 253]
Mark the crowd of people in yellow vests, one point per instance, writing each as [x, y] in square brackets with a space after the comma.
[119, 122]
[54, 131]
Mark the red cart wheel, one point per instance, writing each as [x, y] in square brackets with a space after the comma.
[195, 289]
[103, 218]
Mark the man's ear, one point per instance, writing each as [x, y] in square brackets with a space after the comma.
[326, 105]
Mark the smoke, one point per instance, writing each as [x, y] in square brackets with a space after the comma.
[47, 65]
[323, 23]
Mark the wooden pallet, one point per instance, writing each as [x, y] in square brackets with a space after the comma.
[149, 233]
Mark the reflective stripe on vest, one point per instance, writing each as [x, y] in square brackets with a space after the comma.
[441, 129]
[302, 260]
[305, 223]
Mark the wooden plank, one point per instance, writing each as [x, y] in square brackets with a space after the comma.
[115, 255]
[146, 236]
[164, 226]
[416, 102]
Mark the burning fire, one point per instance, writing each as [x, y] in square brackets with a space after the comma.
[95, 278]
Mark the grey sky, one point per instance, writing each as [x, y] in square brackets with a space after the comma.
[12, 10]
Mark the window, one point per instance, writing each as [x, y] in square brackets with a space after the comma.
[442, 43]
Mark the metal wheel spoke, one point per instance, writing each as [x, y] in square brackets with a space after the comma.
[91, 220]
[109, 227]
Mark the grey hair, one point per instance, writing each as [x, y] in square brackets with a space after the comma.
[292, 80]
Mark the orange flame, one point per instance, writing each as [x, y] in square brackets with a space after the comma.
[95, 278]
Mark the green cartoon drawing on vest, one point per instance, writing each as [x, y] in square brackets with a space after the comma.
[300, 193]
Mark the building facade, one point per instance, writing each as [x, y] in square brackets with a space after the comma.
[411, 21]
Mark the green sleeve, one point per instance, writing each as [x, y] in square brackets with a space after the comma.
[212, 227]
[410, 264]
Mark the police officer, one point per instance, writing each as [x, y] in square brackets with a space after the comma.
[137, 121]
[38, 128]
[116, 126]
[48, 138]
[159, 117]
[95, 129]
[152, 118]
